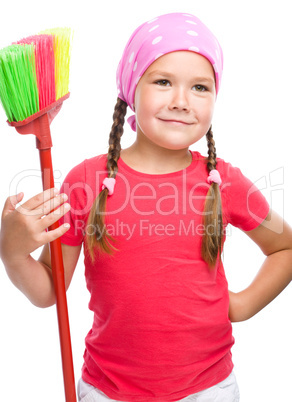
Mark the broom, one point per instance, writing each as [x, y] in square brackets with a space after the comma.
[34, 82]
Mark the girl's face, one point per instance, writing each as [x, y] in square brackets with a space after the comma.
[174, 100]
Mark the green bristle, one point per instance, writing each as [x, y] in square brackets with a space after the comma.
[18, 83]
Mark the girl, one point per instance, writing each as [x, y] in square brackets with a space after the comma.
[152, 219]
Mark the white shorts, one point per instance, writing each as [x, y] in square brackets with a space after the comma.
[225, 391]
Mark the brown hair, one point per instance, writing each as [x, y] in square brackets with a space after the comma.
[213, 233]
[100, 239]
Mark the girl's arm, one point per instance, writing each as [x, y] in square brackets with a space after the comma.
[274, 237]
[23, 230]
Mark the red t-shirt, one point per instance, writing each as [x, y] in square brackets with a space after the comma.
[161, 329]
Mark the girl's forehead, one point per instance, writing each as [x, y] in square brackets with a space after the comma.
[182, 60]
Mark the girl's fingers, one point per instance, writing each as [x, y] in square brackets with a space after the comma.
[54, 216]
[54, 234]
[28, 207]
[25, 226]
[50, 205]
[11, 203]
[45, 208]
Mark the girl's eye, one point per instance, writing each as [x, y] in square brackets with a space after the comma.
[163, 83]
[200, 88]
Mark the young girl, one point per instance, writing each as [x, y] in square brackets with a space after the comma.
[152, 220]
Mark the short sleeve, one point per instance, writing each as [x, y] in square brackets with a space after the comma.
[79, 198]
[243, 204]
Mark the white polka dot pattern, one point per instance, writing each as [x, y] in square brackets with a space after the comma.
[153, 28]
[156, 40]
[192, 33]
[131, 57]
[164, 34]
[194, 49]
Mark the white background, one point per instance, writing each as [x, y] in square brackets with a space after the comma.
[251, 128]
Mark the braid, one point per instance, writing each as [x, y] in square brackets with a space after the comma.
[211, 162]
[212, 239]
[115, 137]
[98, 236]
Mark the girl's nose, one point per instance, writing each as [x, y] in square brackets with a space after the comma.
[179, 100]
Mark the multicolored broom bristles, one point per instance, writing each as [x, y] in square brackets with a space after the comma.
[62, 38]
[34, 72]
[45, 67]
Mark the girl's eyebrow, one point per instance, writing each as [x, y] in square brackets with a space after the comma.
[205, 79]
[168, 74]
[160, 73]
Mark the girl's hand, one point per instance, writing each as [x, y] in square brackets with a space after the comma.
[23, 229]
[274, 237]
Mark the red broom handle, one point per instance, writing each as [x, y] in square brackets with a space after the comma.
[58, 269]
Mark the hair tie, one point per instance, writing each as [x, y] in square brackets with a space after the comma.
[214, 177]
[109, 183]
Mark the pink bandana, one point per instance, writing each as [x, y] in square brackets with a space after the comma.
[164, 34]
